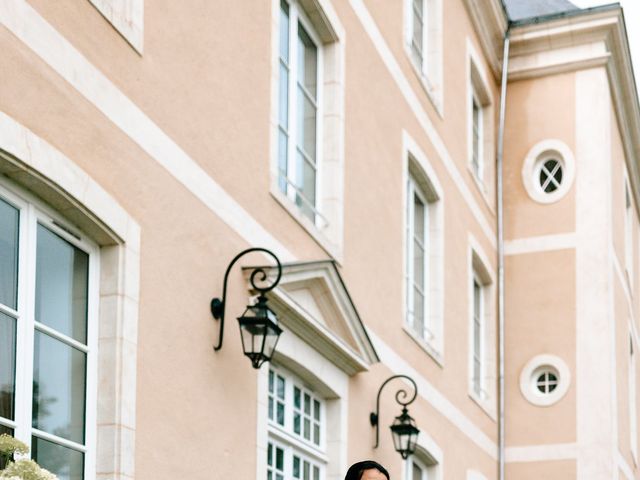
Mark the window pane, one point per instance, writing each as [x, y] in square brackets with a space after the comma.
[316, 410]
[418, 218]
[418, 267]
[306, 182]
[280, 387]
[67, 464]
[418, 311]
[284, 97]
[7, 366]
[9, 218]
[284, 31]
[417, 472]
[61, 285]
[306, 125]
[307, 62]
[283, 155]
[59, 384]
[296, 466]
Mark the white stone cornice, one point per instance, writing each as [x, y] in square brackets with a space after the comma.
[579, 42]
[490, 23]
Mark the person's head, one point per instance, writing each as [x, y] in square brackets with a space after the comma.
[367, 470]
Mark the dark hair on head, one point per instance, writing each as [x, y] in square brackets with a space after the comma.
[355, 471]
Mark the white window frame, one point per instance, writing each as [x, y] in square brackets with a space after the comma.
[323, 26]
[287, 430]
[428, 456]
[633, 396]
[480, 271]
[32, 213]
[479, 94]
[477, 317]
[628, 231]
[296, 17]
[417, 169]
[414, 190]
[429, 68]
[477, 158]
[57, 177]
[539, 153]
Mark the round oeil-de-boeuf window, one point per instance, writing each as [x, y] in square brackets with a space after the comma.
[548, 171]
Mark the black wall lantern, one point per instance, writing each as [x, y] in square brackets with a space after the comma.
[403, 428]
[259, 328]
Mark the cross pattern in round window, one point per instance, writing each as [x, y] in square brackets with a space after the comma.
[550, 176]
[546, 382]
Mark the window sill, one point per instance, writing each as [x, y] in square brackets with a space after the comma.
[332, 249]
[436, 355]
[434, 98]
[485, 404]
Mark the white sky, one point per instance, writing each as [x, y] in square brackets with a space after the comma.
[632, 20]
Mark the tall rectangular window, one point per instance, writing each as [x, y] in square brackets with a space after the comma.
[633, 409]
[478, 334]
[45, 338]
[296, 446]
[476, 136]
[417, 267]
[628, 231]
[418, 37]
[298, 109]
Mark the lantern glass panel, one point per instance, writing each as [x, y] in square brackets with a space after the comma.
[259, 332]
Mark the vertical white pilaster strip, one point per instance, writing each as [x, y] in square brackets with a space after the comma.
[595, 327]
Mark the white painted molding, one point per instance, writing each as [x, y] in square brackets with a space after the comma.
[533, 368]
[475, 475]
[428, 393]
[541, 453]
[46, 42]
[542, 151]
[127, 17]
[119, 287]
[542, 243]
[490, 23]
[413, 102]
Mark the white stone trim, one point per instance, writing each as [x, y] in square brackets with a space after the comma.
[624, 467]
[541, 453]
[119, 294]
[479, 267]
[330, 37]
[421, 170]
[596, 409]
[329, 381]
[475, 475]
[430, 75]
[528, 379]
[429, 454]
[540, 152]
[477, 83]
[127, 17]
[435, 398]
[542, 243]
[413, 102]
[34, 31]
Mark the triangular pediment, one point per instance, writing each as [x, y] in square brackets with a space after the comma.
[312, 301]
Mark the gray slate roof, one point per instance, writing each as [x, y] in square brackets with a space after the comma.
[521, 9]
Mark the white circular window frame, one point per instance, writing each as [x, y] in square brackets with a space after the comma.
[533, 369]
[541, 152]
